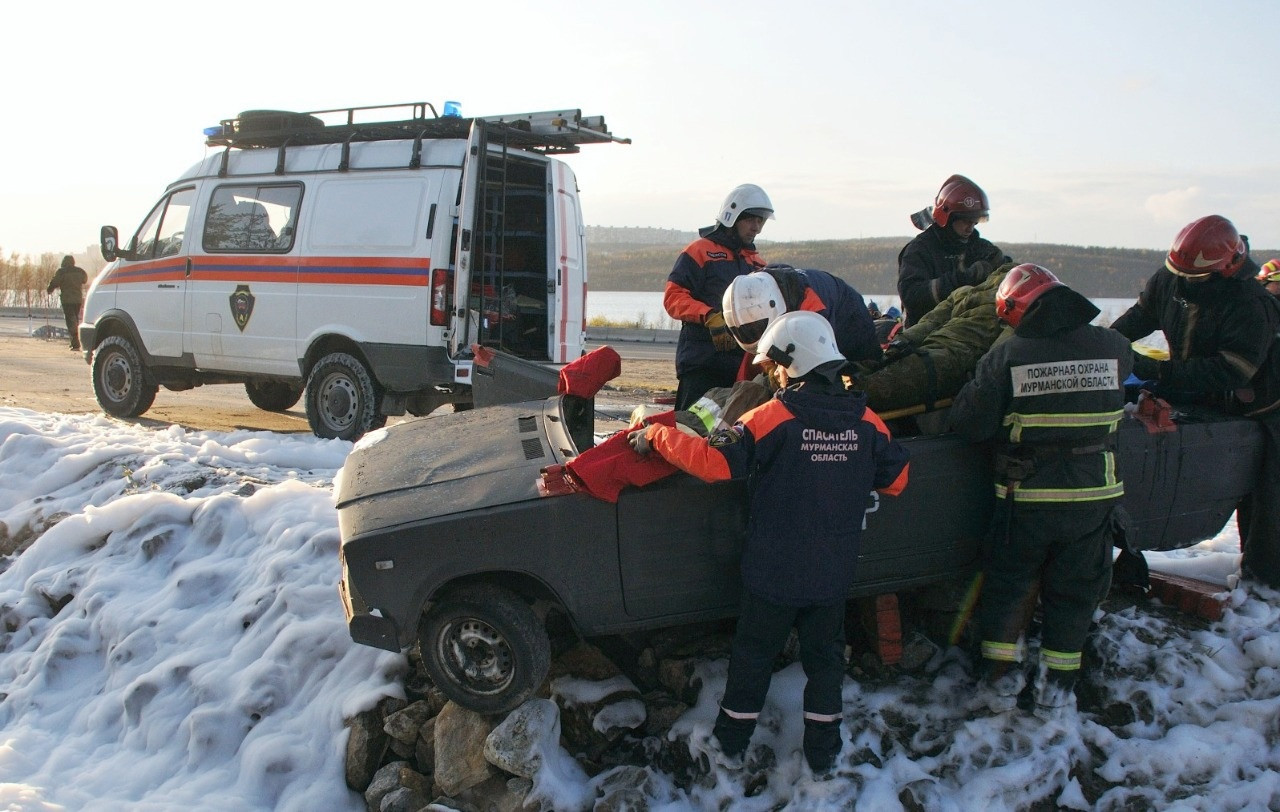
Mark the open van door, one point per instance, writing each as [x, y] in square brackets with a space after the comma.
[567, 284]
[466, 317]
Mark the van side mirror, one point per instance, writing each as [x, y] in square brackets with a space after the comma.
[109, 241]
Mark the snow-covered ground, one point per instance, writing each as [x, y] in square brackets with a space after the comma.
[173, 639]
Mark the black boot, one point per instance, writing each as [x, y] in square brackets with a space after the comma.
[733, 735]
[821, 744]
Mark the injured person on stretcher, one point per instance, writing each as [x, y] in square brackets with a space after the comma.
[922, 370]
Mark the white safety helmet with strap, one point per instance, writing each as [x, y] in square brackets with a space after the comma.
[800, 342]
[745, 199]
[750, 304]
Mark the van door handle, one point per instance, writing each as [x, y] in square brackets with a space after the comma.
[188, 266]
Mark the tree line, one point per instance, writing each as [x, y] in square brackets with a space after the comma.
[871, 265]
[23, 278]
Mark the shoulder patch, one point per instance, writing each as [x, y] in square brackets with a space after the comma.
[725, 437]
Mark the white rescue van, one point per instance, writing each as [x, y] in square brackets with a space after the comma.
[359, 264]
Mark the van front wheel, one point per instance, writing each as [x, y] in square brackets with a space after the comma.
[119, 378]
[342, 398]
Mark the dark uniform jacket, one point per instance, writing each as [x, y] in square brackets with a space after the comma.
[1220, 333]
[935, 263]
[1051, 396]
[70, 281]
[696, 286]
[810, 455]
[835, 300]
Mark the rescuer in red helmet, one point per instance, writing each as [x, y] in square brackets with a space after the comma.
[1220, 325]
[1051, 397]
[950, 253]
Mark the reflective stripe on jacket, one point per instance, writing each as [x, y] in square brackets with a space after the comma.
[1053, 403]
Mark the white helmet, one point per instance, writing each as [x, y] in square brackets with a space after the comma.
[799, 341]
[745, 199]
[750, 305]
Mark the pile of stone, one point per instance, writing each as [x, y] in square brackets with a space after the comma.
[590, 719]
[603, 720]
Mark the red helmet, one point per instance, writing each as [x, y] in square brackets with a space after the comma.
[1021, 286]
[1208, 245]
[960, 196]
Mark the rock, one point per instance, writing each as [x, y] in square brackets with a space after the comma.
[497, 794]
[459, 749]
[584, 661]
[518, 743]
[367, 742]
[404, 800]
[424, 750]
[397, 775]
[662, 710]
[677, 676]
[403, 725]
[596, 713]
[624, 789]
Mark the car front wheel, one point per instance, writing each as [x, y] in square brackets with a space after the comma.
[119, 378]
[485, 648]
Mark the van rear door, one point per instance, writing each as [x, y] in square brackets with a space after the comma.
[567, 277]
[466, 317]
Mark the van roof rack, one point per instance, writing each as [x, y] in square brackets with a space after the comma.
[549, 132]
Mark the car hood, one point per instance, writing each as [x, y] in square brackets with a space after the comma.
[461, 461]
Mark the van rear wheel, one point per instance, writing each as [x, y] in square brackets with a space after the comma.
[119, 378]
[273, 396]
[343, 400]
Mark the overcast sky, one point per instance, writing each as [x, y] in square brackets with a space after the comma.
[1090, 123]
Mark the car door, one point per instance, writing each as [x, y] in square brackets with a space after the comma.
[680, 546]
[151, 284]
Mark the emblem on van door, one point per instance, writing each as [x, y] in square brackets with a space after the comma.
[242, 306]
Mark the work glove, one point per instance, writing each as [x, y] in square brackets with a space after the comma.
[1144, 368]
[977, 273]
[897, 348]
[720, 335]
[639, 442]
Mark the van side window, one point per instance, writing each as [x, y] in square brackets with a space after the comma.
[252, 218]
[161, 234]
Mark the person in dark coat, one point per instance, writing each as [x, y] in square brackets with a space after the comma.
[752, 301]
[1220, 326]
[70, 281]
[805, 453]
[950, 252]
[1051, 396]
[706, 355]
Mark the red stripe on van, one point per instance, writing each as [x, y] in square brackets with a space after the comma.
[402, 271]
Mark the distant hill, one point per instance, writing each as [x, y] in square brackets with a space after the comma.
[870, 265]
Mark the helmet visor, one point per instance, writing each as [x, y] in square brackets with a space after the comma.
[748, 334]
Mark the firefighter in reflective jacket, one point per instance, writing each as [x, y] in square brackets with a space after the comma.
[1051, 396]
[706, 355]
[806, 454]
